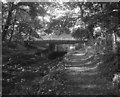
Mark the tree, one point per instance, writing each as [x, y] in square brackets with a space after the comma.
[24, 9]
[76, 18]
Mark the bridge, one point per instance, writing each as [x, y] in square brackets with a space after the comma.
[47, 47]
[56, 41]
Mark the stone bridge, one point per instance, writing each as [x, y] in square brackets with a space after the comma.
[48, 47]
[53, 43]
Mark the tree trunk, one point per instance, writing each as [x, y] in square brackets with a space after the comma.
[82, 11]
[5, 29]
[114, 42]
[13, 24]
[11, 34]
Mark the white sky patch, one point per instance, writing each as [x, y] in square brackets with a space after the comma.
[118, 39]
[59, 1]
[76, 10]
[71, 29]
[39, 17]
[97, 29]
[15, 25]
[26, 7]
[76, 26]
[16, 1]
[4, 1]
[47, 18]
[60, 13]
[57, 12]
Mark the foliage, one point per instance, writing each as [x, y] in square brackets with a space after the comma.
[59, 18]
[23, 68]
[21, 13]
[81, 33]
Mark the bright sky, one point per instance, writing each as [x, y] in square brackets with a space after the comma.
[47, 18]
[58, 12]
[97, 29]
[4, 1]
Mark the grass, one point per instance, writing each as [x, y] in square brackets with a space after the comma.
[27, 74]
[22, 73]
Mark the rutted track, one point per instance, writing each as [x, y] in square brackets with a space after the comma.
[81, 75]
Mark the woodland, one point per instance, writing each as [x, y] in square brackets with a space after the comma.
[26, 67]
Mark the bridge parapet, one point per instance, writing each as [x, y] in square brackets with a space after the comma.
[55, 45]
[57, 41]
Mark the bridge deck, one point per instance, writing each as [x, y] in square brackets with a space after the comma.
[57, 41]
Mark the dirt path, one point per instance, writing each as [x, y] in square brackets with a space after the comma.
[81, 75]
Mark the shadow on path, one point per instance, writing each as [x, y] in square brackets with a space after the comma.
[79, 75]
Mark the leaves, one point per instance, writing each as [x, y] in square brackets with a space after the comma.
[26, 13]
[60, 18]
[81, 33]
